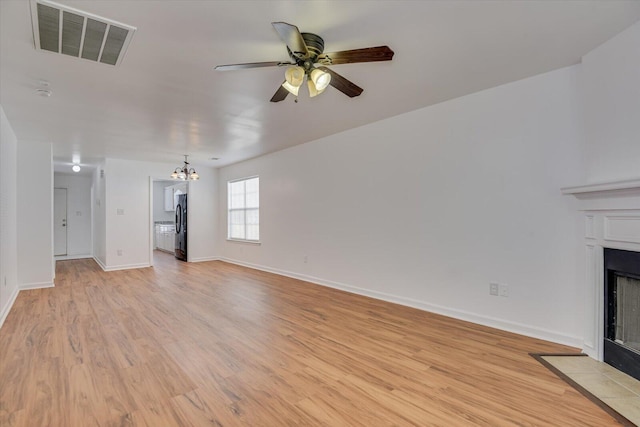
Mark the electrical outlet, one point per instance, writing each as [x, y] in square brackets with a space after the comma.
[119, 252]
[504, 290]
[494, 289]
[119, 211]
[306, 259]
[5, 280]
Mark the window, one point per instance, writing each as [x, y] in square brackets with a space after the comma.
[244, 209]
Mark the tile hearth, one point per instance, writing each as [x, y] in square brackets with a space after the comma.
[614, 388]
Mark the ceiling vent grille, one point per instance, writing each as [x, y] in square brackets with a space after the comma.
[61, 29]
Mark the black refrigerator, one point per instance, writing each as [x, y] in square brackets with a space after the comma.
[181, 227]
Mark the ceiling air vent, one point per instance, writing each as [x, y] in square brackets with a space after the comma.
[61, 29]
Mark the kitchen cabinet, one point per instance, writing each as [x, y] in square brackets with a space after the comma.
[171, 194]
[169, 204]
[165, 236]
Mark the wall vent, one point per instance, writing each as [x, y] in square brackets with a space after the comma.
[61, 29]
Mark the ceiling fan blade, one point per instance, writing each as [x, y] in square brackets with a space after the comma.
[290, 35]
[343, 85]
[280, 94]
[367, 54]
[251, 65]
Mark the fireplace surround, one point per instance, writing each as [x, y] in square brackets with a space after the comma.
[611, 215]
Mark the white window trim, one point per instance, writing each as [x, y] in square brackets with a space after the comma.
[251, 242]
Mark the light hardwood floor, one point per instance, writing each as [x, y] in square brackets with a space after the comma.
[213, 344]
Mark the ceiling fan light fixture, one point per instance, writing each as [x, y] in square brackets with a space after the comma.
[313, 90]
[320, 79]
[294, 76]
[292, 89]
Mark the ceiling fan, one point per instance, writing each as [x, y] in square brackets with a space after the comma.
[306, 51]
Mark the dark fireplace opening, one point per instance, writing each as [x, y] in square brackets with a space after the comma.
[622, 310]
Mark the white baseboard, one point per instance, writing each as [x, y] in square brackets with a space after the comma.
[5, 310]
[125, 267]
[203, 259]
[39, 285]
[68, 257]
[12, 299]
[120, 267]
[97, 260]
[505, 325]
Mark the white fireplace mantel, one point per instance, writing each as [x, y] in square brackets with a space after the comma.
[603, 187]
[611, 220]
[607, 195]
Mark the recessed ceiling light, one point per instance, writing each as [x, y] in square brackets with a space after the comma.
[75, 168]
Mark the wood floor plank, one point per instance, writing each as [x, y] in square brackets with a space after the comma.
[214, 344]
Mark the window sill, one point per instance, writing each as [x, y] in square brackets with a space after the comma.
[251, 242]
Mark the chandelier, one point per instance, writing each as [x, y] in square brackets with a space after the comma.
[185, 173]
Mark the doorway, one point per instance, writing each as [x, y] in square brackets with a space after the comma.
[59, 221]
[162, 215]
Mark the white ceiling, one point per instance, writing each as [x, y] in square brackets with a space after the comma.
[166, 100]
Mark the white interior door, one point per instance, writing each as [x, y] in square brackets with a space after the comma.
[59, 221]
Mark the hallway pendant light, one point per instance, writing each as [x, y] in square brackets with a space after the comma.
[185, 173]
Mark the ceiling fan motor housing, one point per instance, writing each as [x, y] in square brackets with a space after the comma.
[315, 46]
[314, 43]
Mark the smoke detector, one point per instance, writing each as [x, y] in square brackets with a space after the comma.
[61, 29]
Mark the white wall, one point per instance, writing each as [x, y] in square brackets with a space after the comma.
[128, 189]
[611, 98]
[203, 234]
[35, 215]
[429, 207]
[8, 216]
[98, 190]
[78, 212]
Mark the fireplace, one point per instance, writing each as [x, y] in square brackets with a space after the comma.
[611, 215]
[621, 345]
